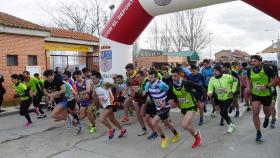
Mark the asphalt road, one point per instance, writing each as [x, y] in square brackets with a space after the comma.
[52, 139]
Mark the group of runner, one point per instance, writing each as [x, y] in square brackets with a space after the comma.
[152, 94]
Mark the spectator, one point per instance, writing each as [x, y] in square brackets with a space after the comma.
[2, 91]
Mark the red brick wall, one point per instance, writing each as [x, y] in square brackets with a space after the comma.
[22, 46]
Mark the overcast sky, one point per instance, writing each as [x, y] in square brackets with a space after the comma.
[234, 25]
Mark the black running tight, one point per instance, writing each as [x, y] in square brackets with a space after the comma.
[224, 106]
[24, 109]
[36, 102]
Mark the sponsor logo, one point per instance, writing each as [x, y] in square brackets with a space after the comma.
[162, 2]
[106, 60]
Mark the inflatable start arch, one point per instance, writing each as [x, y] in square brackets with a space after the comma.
[133, 16]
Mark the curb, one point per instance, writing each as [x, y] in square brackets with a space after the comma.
[16, 111]
[9, 113]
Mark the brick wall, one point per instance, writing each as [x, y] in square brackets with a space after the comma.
[22, 46]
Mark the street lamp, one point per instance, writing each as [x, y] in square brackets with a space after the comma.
[210, 48]
[278, 46]
[111, 7]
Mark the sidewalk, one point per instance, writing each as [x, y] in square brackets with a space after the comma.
[15, 109]
[9, 110]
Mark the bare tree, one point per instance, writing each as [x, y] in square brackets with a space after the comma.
[160, 39]
[188, 30]
[87, 16]
[165, 39]
[155, 32]
[176, 30]
[194, 35]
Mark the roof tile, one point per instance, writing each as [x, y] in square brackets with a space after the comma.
[12, 21]
[62, 33]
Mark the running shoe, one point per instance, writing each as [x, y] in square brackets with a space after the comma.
[197, 141]
[143, 132]
[122, 133]
[111, 133]
[272, 123]
[205, 109]
[152, 136]
[27, 125]
[175, 138]
[78, 128]
[125, 119]
[49, 106]
[237, 114]
[200, 123]
[164, 143]
[259, 136]
[265, 123]
[231, 128]
[92, 130]
[69, 121]
[42, 116]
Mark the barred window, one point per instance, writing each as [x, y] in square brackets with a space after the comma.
[32, 60]
[12, 60]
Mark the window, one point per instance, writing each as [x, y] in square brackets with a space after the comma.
[12, 60]
[63, 59]
[32, 60]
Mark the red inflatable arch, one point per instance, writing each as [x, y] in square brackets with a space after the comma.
[132, 17]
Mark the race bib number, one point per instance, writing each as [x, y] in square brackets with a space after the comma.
[260, 87]
[158, 103]
[183, 100]
[222, 90]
